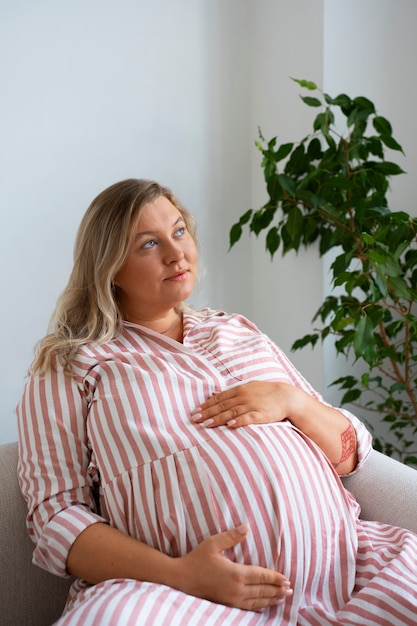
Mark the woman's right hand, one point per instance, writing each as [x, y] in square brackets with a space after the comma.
[207, 573]
[102, 552]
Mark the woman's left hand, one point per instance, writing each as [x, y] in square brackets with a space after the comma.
[254, 402]
[262, 402]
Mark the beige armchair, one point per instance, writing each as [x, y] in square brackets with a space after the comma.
[386, 490]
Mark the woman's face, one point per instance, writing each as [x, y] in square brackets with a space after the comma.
[161, 266]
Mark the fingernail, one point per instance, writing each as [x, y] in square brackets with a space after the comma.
[278, 601]
[196, 410]
[196, 416]
[231, 423]
[208, 422]
[242, 529]
[288, 592]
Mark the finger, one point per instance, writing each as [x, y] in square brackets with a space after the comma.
[214, 407]
[229, 538]
[222, 411]
[228, 397]
[221, 396]
[258, 597]
[258, 577]
[233, 418]
[236, 418]
[262, 602]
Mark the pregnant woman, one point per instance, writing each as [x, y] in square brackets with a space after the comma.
[176, 463]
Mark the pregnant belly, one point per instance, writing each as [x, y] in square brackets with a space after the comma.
[270, 476]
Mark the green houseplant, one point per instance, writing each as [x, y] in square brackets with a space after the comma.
[331, 188]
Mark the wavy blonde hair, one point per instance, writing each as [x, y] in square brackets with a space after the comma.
[88, 310]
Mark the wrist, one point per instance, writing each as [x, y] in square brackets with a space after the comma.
[175, 574]
[299, 406]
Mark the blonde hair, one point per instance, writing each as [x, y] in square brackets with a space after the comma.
[88, 309]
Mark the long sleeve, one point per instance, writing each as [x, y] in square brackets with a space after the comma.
[54, 469]
[363, 436]
[239, 324]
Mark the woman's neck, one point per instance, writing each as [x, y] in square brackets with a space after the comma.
[170, 325]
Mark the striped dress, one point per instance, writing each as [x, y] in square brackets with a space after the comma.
[123, 426]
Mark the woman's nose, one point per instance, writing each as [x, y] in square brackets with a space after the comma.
[173, 252]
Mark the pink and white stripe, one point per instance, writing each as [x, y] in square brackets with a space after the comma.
[125, 420]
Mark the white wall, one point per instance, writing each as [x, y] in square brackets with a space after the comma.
[95, 91]
[287, 42]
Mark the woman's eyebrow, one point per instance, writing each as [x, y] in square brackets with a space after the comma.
[142, 233]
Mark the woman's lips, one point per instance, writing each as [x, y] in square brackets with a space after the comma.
[178, 276]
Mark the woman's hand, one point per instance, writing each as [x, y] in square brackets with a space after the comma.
[207, 573]
[254, 402]
[102, 552]
[262, 402]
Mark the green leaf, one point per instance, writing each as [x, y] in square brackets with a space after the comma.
[312, 102]
[261, 219]
[389, 169]
[345, 104]
[314, 150]
[374, 145]
[236, 230]
[304, 341]
[381, 285]
[341, 263]
[399, 288]
[368, 239]
[363, 342]
[287, 183]
[351, 396]
[391, 143]
[320, 121]
[273, 240]
[235, 234]
[246, 217]
[397, 387]
[283, 151]
[357, 115]
[308, 84]
[377, 257]
[382, 125]
[342, 100]
[295, 222]
[364, 103]
[274, 188]
[345, 382]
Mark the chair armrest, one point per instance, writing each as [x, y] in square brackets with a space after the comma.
[386, 491]
[28, 594]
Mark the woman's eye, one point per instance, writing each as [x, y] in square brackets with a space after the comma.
[180, 231]
[149, 244]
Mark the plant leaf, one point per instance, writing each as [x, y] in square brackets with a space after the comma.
[382, 125]
[283, 151]
[363, 343]
[235, 234]
[287, 183]
[389, 169]
[312, 102]
[273, 240]
[308, 84]
[391, 143]
[295, 222]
